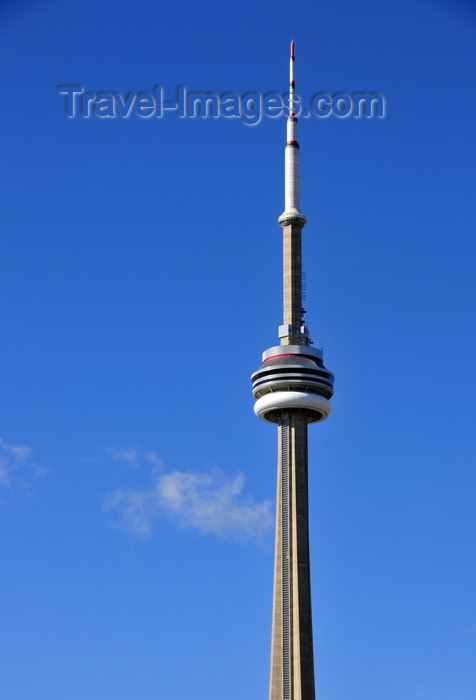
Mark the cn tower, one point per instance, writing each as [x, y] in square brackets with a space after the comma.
[292, 388]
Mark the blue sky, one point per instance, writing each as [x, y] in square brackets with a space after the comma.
[140, 273]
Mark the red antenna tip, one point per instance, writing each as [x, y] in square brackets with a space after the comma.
[292, 48]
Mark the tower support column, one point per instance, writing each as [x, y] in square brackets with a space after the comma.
[292, 665]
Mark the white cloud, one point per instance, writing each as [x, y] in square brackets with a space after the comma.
[134, 459]
[16, 464]
[128, 455]
[211, 502]
[136, 509]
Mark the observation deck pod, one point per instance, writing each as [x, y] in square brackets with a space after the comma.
[292, 377]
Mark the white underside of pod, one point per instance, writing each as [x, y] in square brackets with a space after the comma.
[280, 400]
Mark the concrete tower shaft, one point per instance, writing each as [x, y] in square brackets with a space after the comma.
[292, 388]
[291, 332]
[292, 661]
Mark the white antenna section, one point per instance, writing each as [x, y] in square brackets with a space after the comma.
[291, 157]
